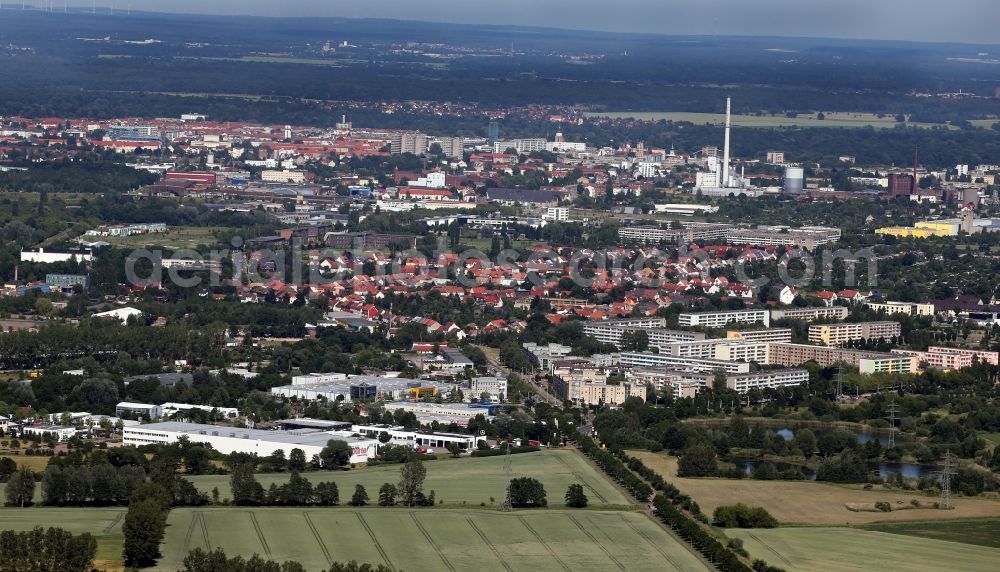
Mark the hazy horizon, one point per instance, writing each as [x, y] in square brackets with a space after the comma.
[907, 20]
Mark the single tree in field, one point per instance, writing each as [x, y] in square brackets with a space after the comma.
[246, 490]
[145, 524]
[360, 496]
[21, 487]
[411, 482]
[327, 493]
[454, 449]
[297, 460]
[387, 495]
[527, 492]
[575, 497]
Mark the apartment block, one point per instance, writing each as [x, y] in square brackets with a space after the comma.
[415, 143]
[840, 334]
[789, 355]
[650, 360]
[690, 233]
[611, 331]
[769, 379]
[545, 356]
[908, 308]
[742, 352]
[722, 349]
[687, 384]
[587, 385]
[810, 314]
[949, 358]
[807, 237]
[764, 335]
[722, 319]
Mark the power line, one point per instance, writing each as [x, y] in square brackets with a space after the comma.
[508, 470]
[840, 381]
[946, 473]
[892, 422]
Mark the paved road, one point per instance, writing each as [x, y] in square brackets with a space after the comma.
[494, 363]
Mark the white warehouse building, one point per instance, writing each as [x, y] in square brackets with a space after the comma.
[228, 440]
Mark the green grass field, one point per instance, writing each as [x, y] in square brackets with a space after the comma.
[821, 549]
[832, 120]
[105, 524]
[981, 532]
[431, 539]
[991, 438]
[466, 480]
[175, 237]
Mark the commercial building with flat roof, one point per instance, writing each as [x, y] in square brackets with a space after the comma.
[141, 410]
[418, 439]
[495, 386]
[229, 440]
[458, 413]
[341, 387]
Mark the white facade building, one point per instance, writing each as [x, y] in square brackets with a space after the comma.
[228, 440]
[721, 319]
[49, 255]
[282, 176]
[495, 386]
[143, 410]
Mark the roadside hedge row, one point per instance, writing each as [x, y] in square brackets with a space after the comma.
[694, 534]
[610, 464]
[623, 469]
[659, 483]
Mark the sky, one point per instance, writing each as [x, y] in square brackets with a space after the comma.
[972, 21]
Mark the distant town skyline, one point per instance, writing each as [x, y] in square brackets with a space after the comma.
[967, 21]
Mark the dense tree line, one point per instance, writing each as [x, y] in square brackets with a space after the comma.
[52, 549]
[686, 527]
[199, 560]
[98, 485]
[615, 469]
[91, 177]
[145, 524]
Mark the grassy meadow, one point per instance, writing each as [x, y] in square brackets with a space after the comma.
[432, 539]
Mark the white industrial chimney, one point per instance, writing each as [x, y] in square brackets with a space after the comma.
[725, 150]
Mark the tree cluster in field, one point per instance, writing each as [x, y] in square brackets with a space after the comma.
[488, 452]
[97, 485]
[526, 492]
[52, 549]
[740, 515]
[199, 560]
[846, 467]
[299, 491]
[20, 490]
[723, 557]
